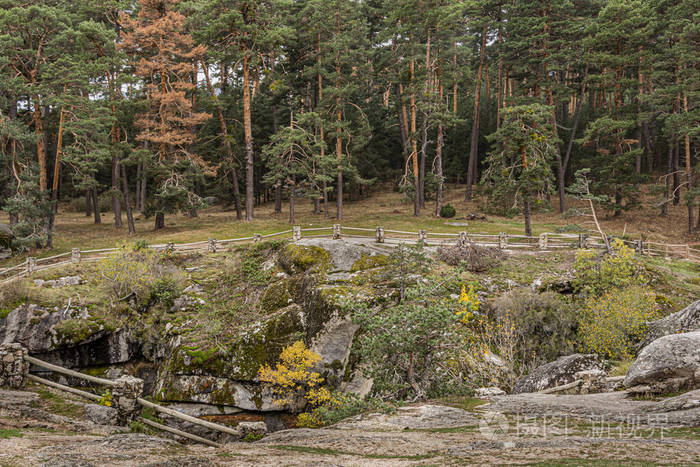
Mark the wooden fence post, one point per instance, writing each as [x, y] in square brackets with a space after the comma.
[543, 241]
[212, 245]
[687, 251]
[582, 241]
[336, 231]
[463, 239]
[257, 238]
[75, 255]
[502, 241]
[380, 235]
[296, 233]
[422, 237]
[31, 265]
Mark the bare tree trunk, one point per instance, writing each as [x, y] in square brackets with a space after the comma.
[40, 143]
[338, 139]
[160, 221]
[689, 173]
[414, 146]
[127, 202]
[142, 195]
[676, 173]
[563, 165]
[88, 205]
[137, 198]
[248, 131]
[227, 142]
[96, 206]
[474, 147]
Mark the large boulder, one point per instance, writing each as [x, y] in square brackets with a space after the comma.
[686, 320]
[561, 371]
[668, 364]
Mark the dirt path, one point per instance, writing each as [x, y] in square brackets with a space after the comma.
[31, 435]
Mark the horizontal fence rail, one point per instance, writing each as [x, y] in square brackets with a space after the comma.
[138, 400]
[544, 241]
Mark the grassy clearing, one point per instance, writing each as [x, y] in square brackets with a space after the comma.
[387, 209]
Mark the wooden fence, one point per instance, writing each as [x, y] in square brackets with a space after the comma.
[139, 400]
[544, 241]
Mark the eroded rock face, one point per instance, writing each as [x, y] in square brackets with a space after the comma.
[686, 320]
[668, 364]
[561, 371]
[66, 337]
[6, 236]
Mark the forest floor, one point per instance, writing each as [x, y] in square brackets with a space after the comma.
[388, 209]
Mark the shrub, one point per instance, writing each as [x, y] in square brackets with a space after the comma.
[293, 377]
[595, 274]
[470, 256]
[448, 211]
[613, 323]
[135, 272]
[164, 290]
[545, 323]
[406, 261]
[407, 345]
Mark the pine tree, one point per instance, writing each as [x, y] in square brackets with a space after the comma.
[164, 56]
[519, 167]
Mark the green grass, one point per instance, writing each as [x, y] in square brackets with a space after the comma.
[336, 452]
[456, 429]
[57, 405]
[467, 403]
[6, 433]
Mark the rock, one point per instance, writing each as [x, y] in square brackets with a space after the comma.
[359, 385]
[593, 381]
[252, 428]
[185, 302]
[6, 236]
[668, 364]
[686, 320]
[83, 343]
[487, 393]
[418, 417]
[343, 254]
[194, 288]
[100, 414]
[561, 371]
[60, 282]
[689, 400]
[333, 344]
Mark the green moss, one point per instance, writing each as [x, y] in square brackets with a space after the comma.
[74, 331]
[276, 296]
[298, 258]
[369, 262]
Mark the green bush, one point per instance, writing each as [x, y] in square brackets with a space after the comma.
[448, 211]
[545, 323]
[164, 290]
[595, 274]
[612, 324]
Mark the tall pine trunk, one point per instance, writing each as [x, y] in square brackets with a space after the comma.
[248, 132]
[227, 141]
[474, 147]
[127, 201]
[414, 146]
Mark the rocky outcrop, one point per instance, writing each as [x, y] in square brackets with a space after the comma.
[686, 320]
[561, 371]
[68, 337]
[668, 364]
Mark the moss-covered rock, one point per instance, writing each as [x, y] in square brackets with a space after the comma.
[296, 259]
[369, 262]
[276, 296]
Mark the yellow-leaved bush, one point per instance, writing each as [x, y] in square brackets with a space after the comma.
[468, 304]
[611, 325]
[293, 377]
[127, 271]
[595, 275]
